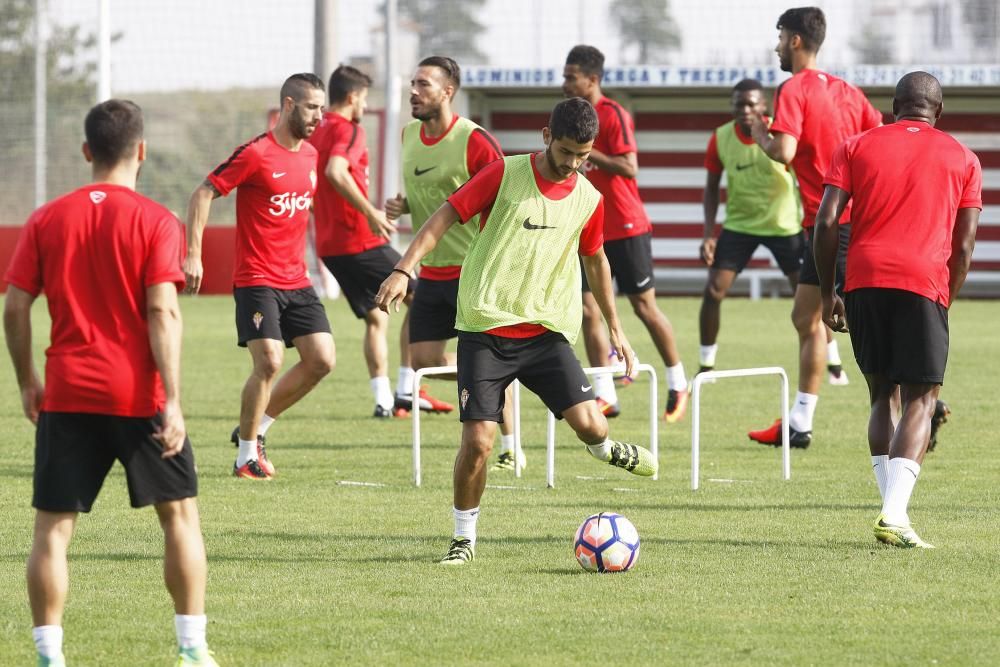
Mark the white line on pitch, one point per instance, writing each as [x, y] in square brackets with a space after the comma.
[505, 487]
[591, 479]
[731, 481]
[624, 490]
[347, 482]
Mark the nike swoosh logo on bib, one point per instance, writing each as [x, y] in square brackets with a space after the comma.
[527, 225]
[417, 171]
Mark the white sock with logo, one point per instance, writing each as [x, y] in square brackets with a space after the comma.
[675, 377]
[48, 640]
[465, 523]
[190, 630]
[506, 443]
[706, 355]
[880, 466]
[604, 387]
[800, 417]
[265, 423]
[248, 452]
[382, 391]
[601, 451]
[404, 381]
[902, 476]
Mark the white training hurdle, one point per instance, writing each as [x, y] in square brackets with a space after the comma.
[708, 376]
[550, 437]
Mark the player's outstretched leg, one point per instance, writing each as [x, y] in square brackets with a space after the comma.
[592, 428]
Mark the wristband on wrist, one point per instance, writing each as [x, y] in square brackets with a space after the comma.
[405, 273]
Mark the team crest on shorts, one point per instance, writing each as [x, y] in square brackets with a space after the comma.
[258, 317]
[464, 397]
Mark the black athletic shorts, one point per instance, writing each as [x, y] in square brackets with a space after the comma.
[544, 364]
[631, 263]
[74, 452]
[898, 334]
[808, 275]
[433, 311]
[360, 276]
[734, 250]
[279, 314]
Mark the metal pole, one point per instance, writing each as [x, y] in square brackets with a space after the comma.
[324, 37]
[103, 50]
[41, 58]
[390, 152]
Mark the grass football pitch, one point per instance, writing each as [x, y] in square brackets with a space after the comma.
[334, 562]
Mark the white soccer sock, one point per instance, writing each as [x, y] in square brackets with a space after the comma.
[506, 443]
[190, 630]
[833, 353]
[800, 417]
[382, 391]
[265, 423]
[902, 476]
[880, 466]
[248, 452]
[404, 381]
[706, 354]
[675, 377]
[465, 523]
[48, 640]
[601, 451]
[604, 387]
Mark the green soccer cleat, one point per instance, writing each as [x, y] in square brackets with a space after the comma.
[903, 537]
[632, 458]
[460, 552]
[506, 461]
[196, 657]
[58, 661]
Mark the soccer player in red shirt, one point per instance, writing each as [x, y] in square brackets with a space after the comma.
[276, 305]
[109, 262]
[612, 168]
[917, 195]
[814, 112]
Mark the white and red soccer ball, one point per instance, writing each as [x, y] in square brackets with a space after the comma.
[606, 542]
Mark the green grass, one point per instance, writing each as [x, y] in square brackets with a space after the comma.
[306, 571]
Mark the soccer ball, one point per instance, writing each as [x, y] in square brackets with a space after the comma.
[606, 542]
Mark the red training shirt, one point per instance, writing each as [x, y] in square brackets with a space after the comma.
[480, 193]
[821, 112]
[341, 229]
[625, 215]
[94, 252]
[275, 189]
[907, 181]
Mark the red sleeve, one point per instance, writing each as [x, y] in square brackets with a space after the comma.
[712, 161]
[481, 150]
[839, 173]
[592, 236]
[872, 116]
[972, 194]
[234, 171]
[479, 192]
[343, 141]
[25, 269]
[617, 130]
[166, 252]
[789, 109]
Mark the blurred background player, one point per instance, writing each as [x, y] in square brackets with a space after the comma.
[441, 151]
[352, 235]
[518, 310]
[917, 195]
[814, 112]
[762, 207]
[276, 305]
[612, 168]
[108, 260]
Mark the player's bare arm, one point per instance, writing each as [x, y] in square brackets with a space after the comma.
[826, 238]
[393, 288]
[197, 217]
[338, 173]
[963, 240]
[599, 278]
[164, 317]
[779, 146]
[710, 206]
[17, 329]
[396, 207]
[626, 164]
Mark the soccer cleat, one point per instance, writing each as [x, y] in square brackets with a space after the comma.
[196, 657]
[506, 461]
[772, 436]
[623, 380]
[609, 410]
[837, 375]
[383, 413]
[903, 537]
[58, 661]
[940, 416]
[632, 458]
[677, 402]
[705, 369]
[460, 552]
[263, 461]
[250, 470]
[427, 402]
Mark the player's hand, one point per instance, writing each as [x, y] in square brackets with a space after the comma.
[621, 349]
[193, 273]
[31, 398]
[380, 225]
[834, 313]
[396, 207]
[171, 432]
[758, 128]
[707, 251]
[392, 291]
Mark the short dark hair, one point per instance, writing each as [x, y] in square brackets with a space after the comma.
[447, 65]
[113, 129]
[747, 85]
[588, 58]
[346, 80]
[574, 119]
[809, 23]
[296, 85]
